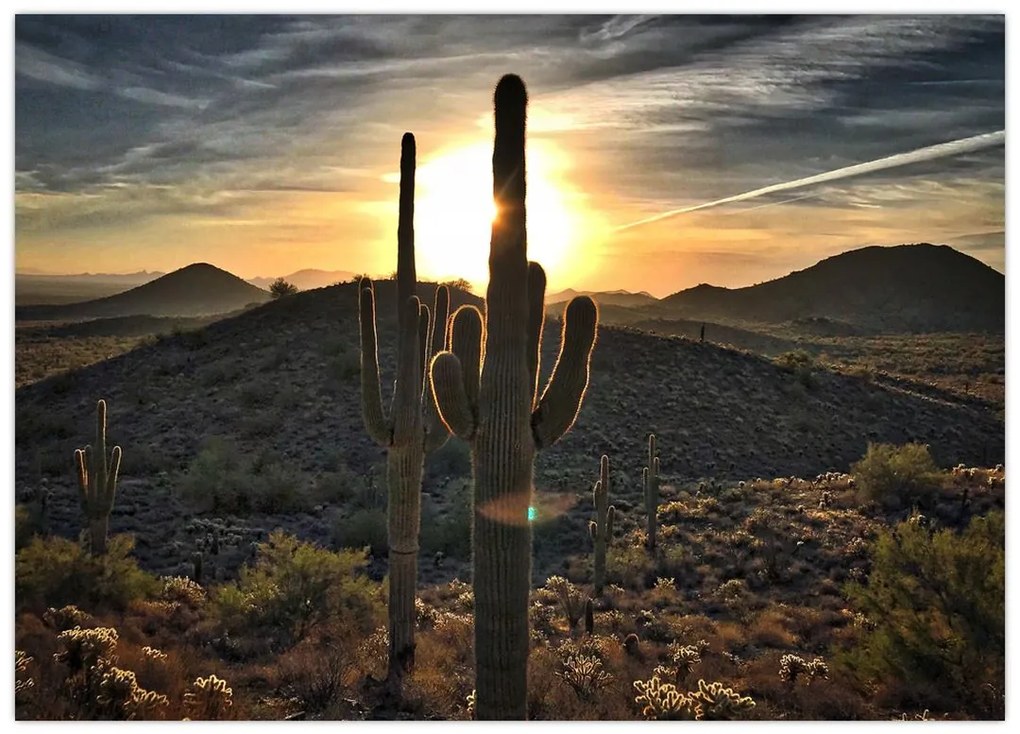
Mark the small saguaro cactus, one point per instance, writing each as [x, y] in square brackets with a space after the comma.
[489, 398]
[97, 480]
[589, 618]
[601, 528]
[650, 479]
[413, 427]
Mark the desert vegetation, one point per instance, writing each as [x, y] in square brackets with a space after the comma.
[760, 539]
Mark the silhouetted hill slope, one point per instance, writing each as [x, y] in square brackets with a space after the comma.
[913, 288]
[282, 381]
[196, 290]
[307, 279]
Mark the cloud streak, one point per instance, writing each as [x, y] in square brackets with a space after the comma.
[949, 149]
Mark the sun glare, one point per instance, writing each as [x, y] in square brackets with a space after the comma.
[454, 210]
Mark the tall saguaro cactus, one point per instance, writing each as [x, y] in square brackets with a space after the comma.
[601, 528]
[97, 480]
[650, 479]
[489, 397]
[412, 428]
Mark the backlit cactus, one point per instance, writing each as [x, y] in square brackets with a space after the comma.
[489, 397]
[601, 528]
[650, 480]
[97, 481]
[412, 428]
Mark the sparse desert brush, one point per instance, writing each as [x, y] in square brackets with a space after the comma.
[54, 571]
[182, 590]
[629, 565]
[570, 598]
[365, 528]
[897, 476]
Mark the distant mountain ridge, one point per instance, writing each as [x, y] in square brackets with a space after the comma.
[196, 290]
[307, 279]
[904, 288]
[604, 298]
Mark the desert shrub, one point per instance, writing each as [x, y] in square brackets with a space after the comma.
[218, 479]
[800, 363]
[896, 476]
[362, 529]
[292, 587]
[24, 527]
[630, 565]
[452, 459]
[451, 532]
[54, 571]
[936, 606]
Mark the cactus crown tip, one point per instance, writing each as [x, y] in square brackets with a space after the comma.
[407, 145]
[511, 97]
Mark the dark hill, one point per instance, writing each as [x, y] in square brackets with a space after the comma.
[196, 290]
[908, 288]
[281, 381]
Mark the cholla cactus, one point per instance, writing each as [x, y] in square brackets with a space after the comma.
[792, 667]
[182, 590]
[661, 701]
[208, 698]
[86, 649]
[650, 481]
[601, 528]
[97, 481]
[22, 683]
[720, 703]
[585, 675]
[470, 703]
[570, 597]
[682, 659]
[154, 654]
[120, 697]
[67, 617]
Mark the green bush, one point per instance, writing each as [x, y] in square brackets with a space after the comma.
[800, 363]
[223, 480]
[935, 602]
[54, 571]
[896, 476]
[363, 528]
[292, 587]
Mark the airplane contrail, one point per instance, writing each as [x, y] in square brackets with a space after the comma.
[928, 153]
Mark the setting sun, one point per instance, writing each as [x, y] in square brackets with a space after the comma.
[454, 211]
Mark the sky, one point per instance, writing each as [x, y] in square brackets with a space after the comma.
[663, 151]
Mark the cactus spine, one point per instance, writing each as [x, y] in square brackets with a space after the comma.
[97, 480]
[650, 479]
[601, 528]
[489, 397]
[412, 428]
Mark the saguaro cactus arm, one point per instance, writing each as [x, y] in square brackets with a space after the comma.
[436, 433]
[455, 374]
[536, 320]
[376, 423]
[561, 401]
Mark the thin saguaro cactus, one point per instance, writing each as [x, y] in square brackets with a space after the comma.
[650, 480]
[488, 396]
[601, 528]
[97, 482]
[412, 427]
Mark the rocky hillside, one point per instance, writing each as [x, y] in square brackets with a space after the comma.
[281, 381]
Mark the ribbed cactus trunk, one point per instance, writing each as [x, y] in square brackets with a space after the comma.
[404, 432]
[601, 529]
[489, 399]
[97, 483]
[503, 451]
